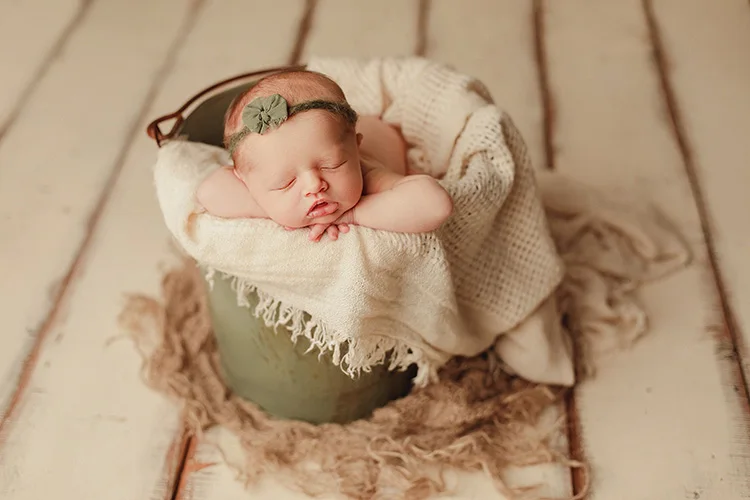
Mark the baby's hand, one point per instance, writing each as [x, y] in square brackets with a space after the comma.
[333, 229]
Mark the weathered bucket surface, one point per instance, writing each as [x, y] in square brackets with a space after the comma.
[262, 364]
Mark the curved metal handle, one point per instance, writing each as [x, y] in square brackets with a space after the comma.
[153, 130]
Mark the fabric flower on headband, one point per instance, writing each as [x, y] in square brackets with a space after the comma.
[265, 113]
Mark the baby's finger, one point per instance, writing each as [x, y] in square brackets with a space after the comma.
[317, 231]
[333, 232]
[344, 228]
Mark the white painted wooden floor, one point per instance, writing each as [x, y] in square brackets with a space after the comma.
[648, 97]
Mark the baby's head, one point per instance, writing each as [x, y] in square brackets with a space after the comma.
[302, 168]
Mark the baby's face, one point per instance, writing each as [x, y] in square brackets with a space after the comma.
[305, 172]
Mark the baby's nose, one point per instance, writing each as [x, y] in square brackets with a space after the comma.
[316, 184]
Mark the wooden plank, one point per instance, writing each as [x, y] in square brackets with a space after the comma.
[60, 157]
[342, 28]
[663, 419]
[47, 415]
[32, 36]
[708, 72]
[217, 49]
[86, 427]
[498, 47]
[84, 401]
[498, 42]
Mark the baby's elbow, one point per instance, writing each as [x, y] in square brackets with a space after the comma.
[204, 196]
[444, 205]
[441, 206]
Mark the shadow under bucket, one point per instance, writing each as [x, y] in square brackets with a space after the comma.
[260, 363]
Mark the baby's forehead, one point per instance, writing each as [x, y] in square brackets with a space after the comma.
[312, 135]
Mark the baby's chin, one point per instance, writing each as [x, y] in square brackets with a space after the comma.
[326, 219]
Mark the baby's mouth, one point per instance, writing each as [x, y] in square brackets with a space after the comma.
[321, 208]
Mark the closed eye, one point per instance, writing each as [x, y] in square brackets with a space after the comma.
[336, 166]
[287, 185]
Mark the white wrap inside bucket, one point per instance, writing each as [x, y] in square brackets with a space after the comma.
[423, 298]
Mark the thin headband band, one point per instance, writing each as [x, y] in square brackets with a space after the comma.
[266, 113]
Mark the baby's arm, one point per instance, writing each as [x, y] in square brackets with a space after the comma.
[404, 204]
[222, 194]
[382, 143]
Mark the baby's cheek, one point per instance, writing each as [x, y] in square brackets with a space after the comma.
[352, 195]
[356, 186]
[275, 211]
[290, 216]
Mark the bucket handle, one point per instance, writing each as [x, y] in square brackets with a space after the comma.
[157, 135]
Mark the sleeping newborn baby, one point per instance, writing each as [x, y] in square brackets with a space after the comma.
[303, 159]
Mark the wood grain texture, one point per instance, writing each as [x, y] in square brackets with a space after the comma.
[423, 21]
[33, 34]
[661, 420]
[495, 41]
[540, 53]
[710, 103]
[87, 427]
[71, 418]
[342, 28]
[303, 30]
[60, 159]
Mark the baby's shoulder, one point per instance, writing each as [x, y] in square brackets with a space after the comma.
[378, 178]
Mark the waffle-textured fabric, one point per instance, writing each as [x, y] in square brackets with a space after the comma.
[374, 295]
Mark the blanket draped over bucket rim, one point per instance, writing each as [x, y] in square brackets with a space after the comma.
[376, 296]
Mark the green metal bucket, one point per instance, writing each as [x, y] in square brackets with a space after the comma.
[261, 364]
[264, 366]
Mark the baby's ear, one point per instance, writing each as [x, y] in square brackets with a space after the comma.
[359, 139]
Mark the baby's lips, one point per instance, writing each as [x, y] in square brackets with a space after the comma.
[327, 209]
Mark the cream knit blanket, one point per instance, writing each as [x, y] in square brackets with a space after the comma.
[423, 298]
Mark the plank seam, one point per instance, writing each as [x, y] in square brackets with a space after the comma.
[423, 17]
[731, 327]
[76, 268]
[578, 475]
[58, 48]
[303, 31]
[186, 447]
[540, 57]
[174, 461]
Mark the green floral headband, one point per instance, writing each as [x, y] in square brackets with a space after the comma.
[263, 114]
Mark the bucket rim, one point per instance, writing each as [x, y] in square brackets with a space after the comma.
[154, 131]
